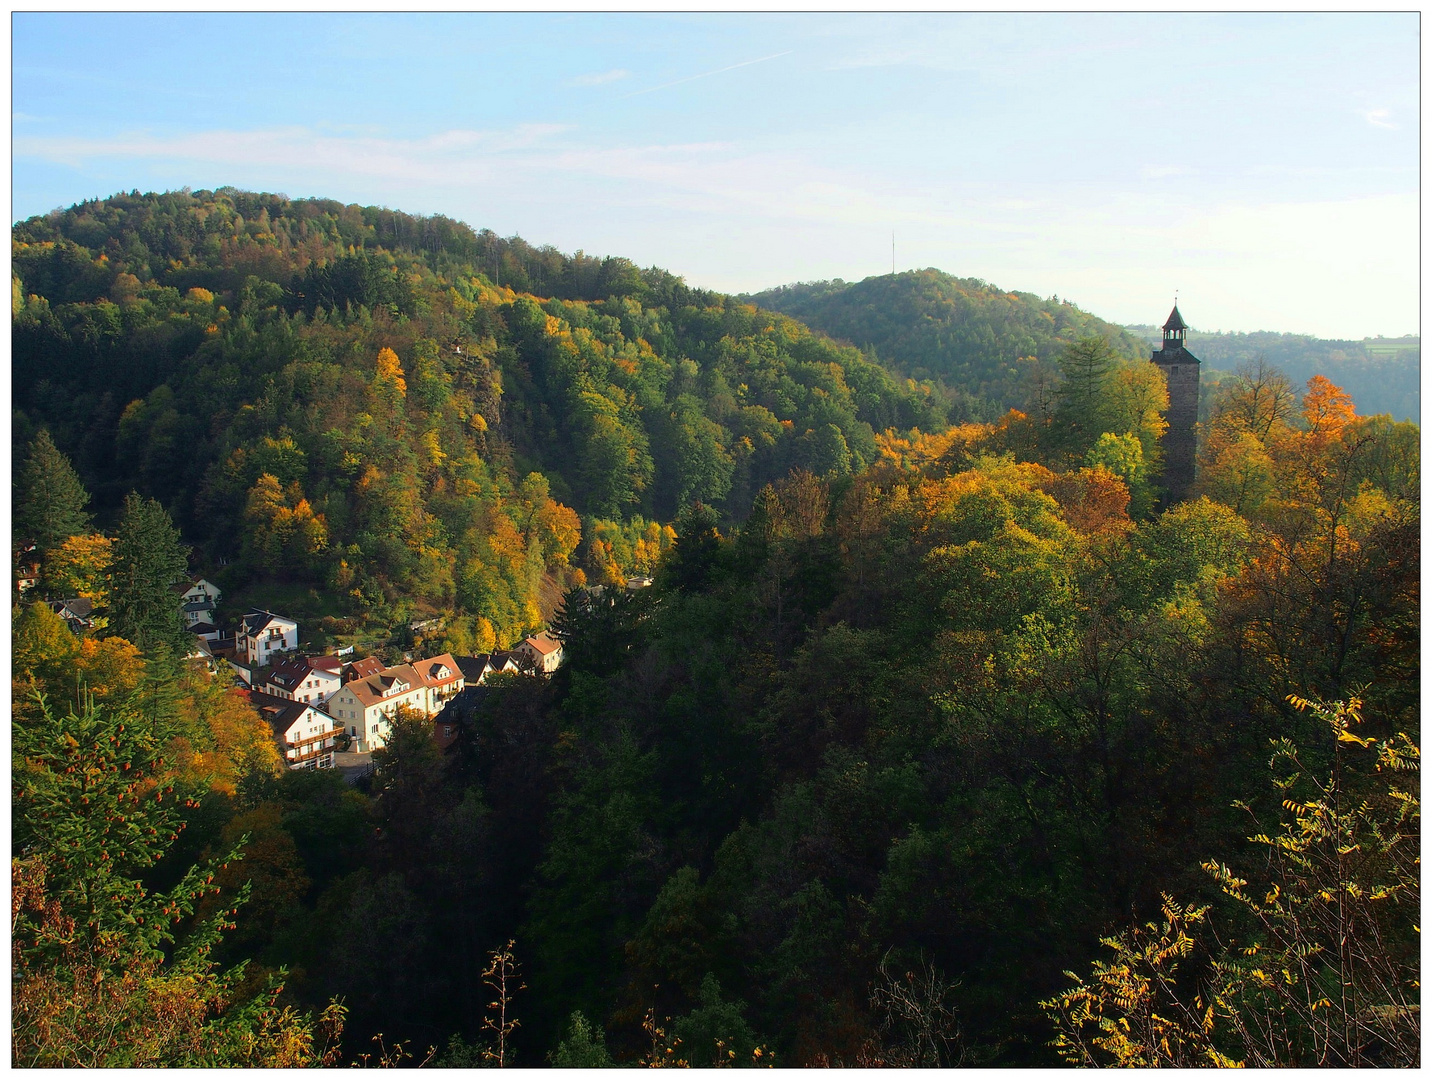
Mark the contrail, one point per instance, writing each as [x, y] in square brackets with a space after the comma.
[692, 78]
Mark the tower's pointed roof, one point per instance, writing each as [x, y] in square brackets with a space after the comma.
[1175, 321]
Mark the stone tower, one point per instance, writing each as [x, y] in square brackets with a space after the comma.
[1180, 368]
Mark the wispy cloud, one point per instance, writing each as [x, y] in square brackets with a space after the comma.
[600, 78]
[714, 177]
[1158, 172]
[447, 155]
[707, 74]
[1379, 118]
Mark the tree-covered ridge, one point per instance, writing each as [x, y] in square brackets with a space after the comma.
[400, 411]
[1382, 375]
[966, 334]
[859, 778]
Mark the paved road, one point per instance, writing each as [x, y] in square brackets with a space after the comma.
[353, 766]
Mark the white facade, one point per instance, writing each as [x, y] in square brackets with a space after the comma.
[197, 599]
[544, 650]
[263, 635]
[365, 706]
[304, 735]
[306, 679]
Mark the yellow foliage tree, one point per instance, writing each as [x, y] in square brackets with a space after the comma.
[79, 567]
[284, 533]
[388, 374]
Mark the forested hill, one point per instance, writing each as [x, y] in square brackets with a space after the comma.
[858, 779]
[963, 332]
[401, 408]
[1381, 374]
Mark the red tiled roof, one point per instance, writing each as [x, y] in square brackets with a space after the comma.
[429, 670]
[370, 691]
[362, 669]
[544, 643]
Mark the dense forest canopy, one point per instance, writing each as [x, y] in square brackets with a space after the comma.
[405, 412]
[931, 744]
[972, 338]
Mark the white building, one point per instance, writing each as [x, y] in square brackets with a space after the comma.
[197, 599]
[304, 735]
[312, 679]
[365, 706]
[262, 636]
[543, 651]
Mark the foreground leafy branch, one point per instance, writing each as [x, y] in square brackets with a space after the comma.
[1329, 974]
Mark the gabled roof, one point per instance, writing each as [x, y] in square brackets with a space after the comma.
[431, 670]
[372, 690]
[473, 668]
[362, 669]
[544, 643]
[286, 679]
[300, 668]
[1175, 321]
[257, 621]
[279, 713]
[183, 585]
[78, 606]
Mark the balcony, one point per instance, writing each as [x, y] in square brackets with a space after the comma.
[312, 745]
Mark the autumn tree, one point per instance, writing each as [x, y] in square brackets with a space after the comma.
[283, 533]
[79, 566]
[102, 975]
[1327, 974]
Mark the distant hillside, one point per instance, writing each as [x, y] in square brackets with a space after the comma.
[1381, 374]
[962, 332]
[400, 411]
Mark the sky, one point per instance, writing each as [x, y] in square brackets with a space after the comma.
[1262, 166]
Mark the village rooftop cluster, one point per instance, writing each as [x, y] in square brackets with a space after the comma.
[319, 705]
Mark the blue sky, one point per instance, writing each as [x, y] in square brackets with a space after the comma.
[1265, 166]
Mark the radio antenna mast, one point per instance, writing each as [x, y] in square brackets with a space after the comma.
[892, 252]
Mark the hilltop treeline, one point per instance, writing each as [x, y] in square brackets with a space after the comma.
[346, 397]
[982, 344]
[1382, 377]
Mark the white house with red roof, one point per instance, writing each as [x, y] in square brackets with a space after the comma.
[365, 706]
[543, 651]
[312, 679]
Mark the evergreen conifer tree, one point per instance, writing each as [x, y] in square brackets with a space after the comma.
[1082, 413]
[102, 975]
[148, 559]
[50, 501]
